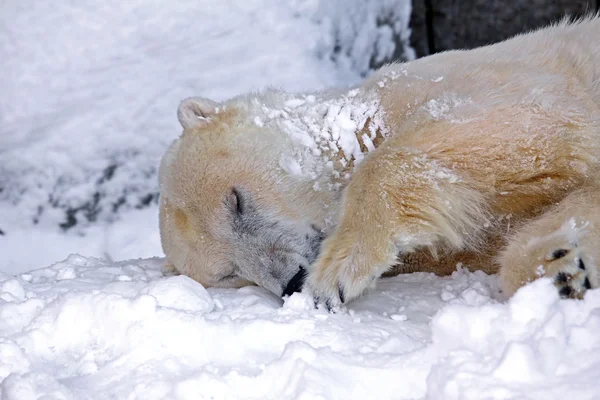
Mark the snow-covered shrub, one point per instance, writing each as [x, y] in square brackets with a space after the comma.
[365, 34]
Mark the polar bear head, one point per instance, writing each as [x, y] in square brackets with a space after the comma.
[229, 216]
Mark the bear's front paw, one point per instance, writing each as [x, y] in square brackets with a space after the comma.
[571, 275]
[333, 284]
[342, 274]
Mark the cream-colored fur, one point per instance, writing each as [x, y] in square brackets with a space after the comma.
[561, 243]
[487, 157]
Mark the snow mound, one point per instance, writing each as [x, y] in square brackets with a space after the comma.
[87, 328]
[180, 293]
[536, 347]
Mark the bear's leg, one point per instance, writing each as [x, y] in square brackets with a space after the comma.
[396, 202]
[563, 244]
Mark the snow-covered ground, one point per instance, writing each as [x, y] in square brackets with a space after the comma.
[88, 93]
[90, 329]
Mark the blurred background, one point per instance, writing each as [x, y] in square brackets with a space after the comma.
[89, 90]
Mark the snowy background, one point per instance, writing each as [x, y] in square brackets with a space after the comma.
[88, 94]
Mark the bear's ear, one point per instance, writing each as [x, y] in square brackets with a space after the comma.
[195, 111]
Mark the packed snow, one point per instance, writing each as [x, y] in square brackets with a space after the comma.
[90, 329]
[89, 94]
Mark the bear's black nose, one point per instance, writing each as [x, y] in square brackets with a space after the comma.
[295, 284]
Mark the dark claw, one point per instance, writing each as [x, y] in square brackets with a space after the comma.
[561, 277]
[560, 253]
[587, 284]
[565, 292]
[341, 293]
[328, 305]
[581, 264]
[316, 301]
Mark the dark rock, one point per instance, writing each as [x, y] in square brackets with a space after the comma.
[419, 36]
[456, 24]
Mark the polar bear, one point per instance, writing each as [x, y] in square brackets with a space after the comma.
[487, 157]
